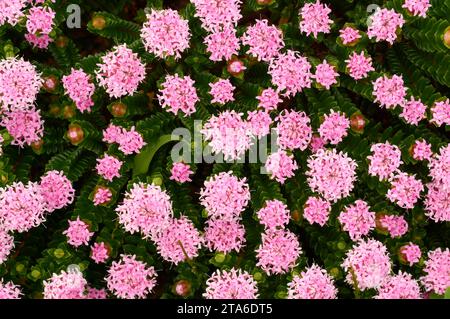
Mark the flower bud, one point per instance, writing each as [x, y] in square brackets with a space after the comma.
[75, 134]
[183, 288]
[98, 22]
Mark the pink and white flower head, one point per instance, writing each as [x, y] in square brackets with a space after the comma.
[278, 252]
[349, 35]
[146, 209]
[129, 278]
[103, 195]
[405, 190]
[229, 134]
[231, 284]
[439, 167]
[334, 127]
[25, 126]
[178, 94]
[290, 73]
[265, 41]
[6, 245]
[312, 283]
[437, 269]
[317, 210]
[8, 290]
[384, 25]
[411, 253]
[130, 141]
[294, 130]
[385, 160]
[112, 134]
[315, 18]
[99, 252]
[11, 11]
[165, 33]
[357, 219]
[57, 190]
[326, 75]
[20, 83]
[359, 66]
[331, 174]
[217, 14]
[39, 41]
[224, 235]
[269, 100]
[120, 72]
[78, 233]
[221, 91]
[413, 111]
[22, 207]
[66, 285]
[441, 113]
[417, 7]
[389, 92]
[281, 166]
[437, 202]
[108, 167]
[259, 122]
[93, 293]
[225, 195]
[369, 262]
[317, 143]
[421, 150]
[40, 20]
[395, 225]
[79, 87]
[181, 172]
[401, 286]
[222, 45]
[179, 241]
[275, 214]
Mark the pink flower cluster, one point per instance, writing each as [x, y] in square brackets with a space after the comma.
[181, 172]
[224, 235]
[130, 141]
[384, 25]
[405, 190]
[66, 285]
[413, 111]
[78, 233]
[9, 290]
[312, 283]
[293, 129]
[102, 196]
[269, 99]
[217, 14]
[389, 92]
[108, 167]
[359, 66]
[357, 220]
[411, 253]
[325, 75]
[25, 126]
[265, 41]
[395, 225]
[80, 89]
[422, 151]
[334, 127]
[349, 35]
[437, 202]
[99, 252]
[178, 94]
[315, 18]
[275, 214]
[11, 11]
[281, 166]
[317, 210]
[385, 160]
[441, 112]
[259, 123]
[6, 245]
[222, 44]
[221, 91]
[437, 269]
[401, 286]
[417, 7]
[231, 284]
[56, 190]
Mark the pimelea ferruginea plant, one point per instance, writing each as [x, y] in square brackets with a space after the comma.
[225, 149]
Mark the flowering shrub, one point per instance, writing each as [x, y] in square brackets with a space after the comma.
[225, 149]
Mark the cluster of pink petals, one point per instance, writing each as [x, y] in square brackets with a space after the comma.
[437, 269]
[441, 113]
[437, 202]
[165, 33]
[317, 143]
[130, 141]
[275, 214]
[231, 284]
[413, 111]
[401, 286]
[357, 219]
[66, 285]
[222, 45]
[405, 190]
[278, 252]
[40, 20]
[439, 167]
[349, 35]
[281, 166]
[385, 160]
[269, 99]
[102, 196]
[78, 233]
[315, 18]
[384, 25]
[6, 245]
[181, 172]
[129, 278]
[224, 235]
[25, 126]
[369, 262]
[39, 41]
[290, 73]
[108, 167]
[178, 94]
[331, 174]
[334, 127]
[99, 253]
[56, 190]
[317, 210]
[93, 293]
[395, 225]
[359, 66]
[265, 41]
[225, 195]
[221, 91]
[293, 129]
[326, 75]
[259, 122]
[411, 253]
[120, 72]
[9, 290]
[80, 89]
[312, 283]
[389, 92]
[146, 209]
[422, 150]
[217, 14]
[11, 11]
[417, 7]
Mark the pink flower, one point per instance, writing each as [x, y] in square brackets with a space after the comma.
[437, 202]
[389, 92]
[385, 160]
[102, 196]
[178, 93]
[57, 190]
[39, 41]
[290, 73]
[281, 166]
[294, 130]
[78, 233]
[326, 75]
[236, 67]
[146, 209]
[317, 210]
[315, 18]
[224, 235]
[112, 134]
[401, 286]
[131, 141]
[439, 167]
[317, 143]
[222, 45]
[80, 89]
[93, 293]
[11, 11]
[405, 190]
[108, 167]
[259, 122]
[334, 127]
[265, 41]
[369, 262]
[417, 7]
[179, 241]
[359, 66]
[413, 111]
[312, 283]
[437, 269]
[217, 14]
[6, 245]
[331, 174]
[99, 253]
[25, 126]
[349, 35]
[232, 284]
[40, 20]
[221, 91]
[181, 172]
[421, 150]
[275, 214]
[278, 252]
[225, 195]
[395, 225]
[129, 278]
[120, 72]
[8, 290]
[441, 113]
[66, 285]
[269, 100]
[384, 25]
[411, 253]
[165, 33]
[357, 220]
